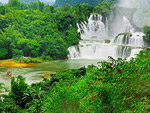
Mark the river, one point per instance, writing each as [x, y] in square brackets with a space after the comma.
[34, 74]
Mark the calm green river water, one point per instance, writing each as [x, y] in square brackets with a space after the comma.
[33, 74]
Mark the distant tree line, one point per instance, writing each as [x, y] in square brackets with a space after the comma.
[59, 3]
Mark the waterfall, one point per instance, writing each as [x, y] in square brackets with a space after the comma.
[94, 34]
[125, 26]
[137, 39]
[93, 29]
[134, 52]
[123, 52]
[95, 50]
[73, 50]
[130, 39]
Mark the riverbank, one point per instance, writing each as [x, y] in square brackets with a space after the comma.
[14, 64]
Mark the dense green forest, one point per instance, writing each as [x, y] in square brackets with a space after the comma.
[28, 1]
[74, 2]
[44, 1]
[39, 30]
[117, 86]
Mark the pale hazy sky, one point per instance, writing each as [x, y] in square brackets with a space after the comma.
[4, 1]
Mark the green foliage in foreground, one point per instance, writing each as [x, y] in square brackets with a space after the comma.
[117, 86]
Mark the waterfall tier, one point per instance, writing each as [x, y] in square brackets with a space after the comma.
[92, 50]
[93, 44]
[93, 29]
[130, 39]
[98, 50]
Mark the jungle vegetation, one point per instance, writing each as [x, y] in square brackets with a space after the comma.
[59, 3]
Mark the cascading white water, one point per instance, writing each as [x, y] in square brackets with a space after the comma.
[134, 52]
[94, 29]
[125, 26]
[133, 39]
[73, 50]
[93, 35]
[137, 39]
[95, 50]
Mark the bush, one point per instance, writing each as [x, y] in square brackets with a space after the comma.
[29, 60]
[46, 58]
[3, 52]
[17, 53]
[18, 89]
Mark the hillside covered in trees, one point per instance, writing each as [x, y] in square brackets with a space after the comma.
[28, 1]
[44, 1]
[74, 2]
[50, 2]
[39, 30]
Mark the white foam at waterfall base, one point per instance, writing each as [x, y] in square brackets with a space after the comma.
[134, 52]
[96, 50]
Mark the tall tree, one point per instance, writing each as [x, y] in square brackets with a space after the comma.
[13, 3]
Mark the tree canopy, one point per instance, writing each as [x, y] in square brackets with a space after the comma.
[59, 3]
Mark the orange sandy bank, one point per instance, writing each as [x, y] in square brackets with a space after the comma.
[13, 63]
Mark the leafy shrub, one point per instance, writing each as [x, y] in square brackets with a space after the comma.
[3, 52]
[8, 105]
[30, 60]
[17, 53]
[18, 88]
[46, 58]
